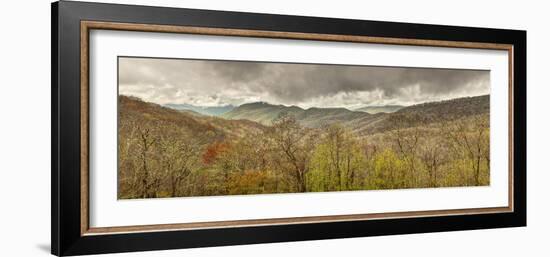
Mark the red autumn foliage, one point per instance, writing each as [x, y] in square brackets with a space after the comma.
[212, 152]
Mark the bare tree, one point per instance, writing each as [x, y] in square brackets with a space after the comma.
[469, 138]
[149, 183]
[432, 155]
[406, 135]
[178, 159]
[295, 145]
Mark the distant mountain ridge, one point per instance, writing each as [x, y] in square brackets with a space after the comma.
[265, 113]
[360, 121]
[204, 110]
[257, 116]
[380, 108]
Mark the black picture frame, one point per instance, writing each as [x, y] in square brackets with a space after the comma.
[66, 238]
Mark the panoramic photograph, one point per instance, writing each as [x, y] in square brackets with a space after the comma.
[189, 127]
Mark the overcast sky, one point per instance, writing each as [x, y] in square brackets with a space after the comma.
[215, 83]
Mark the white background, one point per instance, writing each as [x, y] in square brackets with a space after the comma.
[25, 128]
[106, 211]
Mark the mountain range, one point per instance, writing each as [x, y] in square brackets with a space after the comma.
[220, 110]
[380, 108]
[231, 120]
[361, 121]
[265, 113]
[204, 110]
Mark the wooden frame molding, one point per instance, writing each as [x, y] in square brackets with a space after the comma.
[87, 26]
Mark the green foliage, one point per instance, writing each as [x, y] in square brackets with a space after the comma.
[337, 161]
[388, 171]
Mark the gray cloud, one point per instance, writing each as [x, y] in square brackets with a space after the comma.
[213, 83]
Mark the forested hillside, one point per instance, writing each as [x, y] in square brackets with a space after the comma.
[262, 148]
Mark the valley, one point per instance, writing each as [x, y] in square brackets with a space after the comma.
[184, 150]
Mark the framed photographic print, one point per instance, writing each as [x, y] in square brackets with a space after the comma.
[178, 128]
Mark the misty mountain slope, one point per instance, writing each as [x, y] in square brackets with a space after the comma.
[313, 117]
[451, 109]
[426, 113]
[317, 117]
[135, 112]
[379, 109]
[204, 110]
[255, 117]
[261, 112]
[363, 122]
